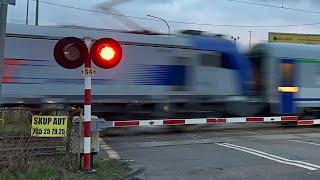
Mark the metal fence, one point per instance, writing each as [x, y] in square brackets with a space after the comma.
[20, 151]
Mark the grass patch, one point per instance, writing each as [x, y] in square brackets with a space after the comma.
[105, 169]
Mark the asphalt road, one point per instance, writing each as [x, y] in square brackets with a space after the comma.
[219, 152]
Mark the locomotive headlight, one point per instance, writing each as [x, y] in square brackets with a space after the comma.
[288, 89]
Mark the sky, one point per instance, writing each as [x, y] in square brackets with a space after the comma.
[217, 12]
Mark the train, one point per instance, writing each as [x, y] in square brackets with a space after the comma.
[188, 74]
[293, 67]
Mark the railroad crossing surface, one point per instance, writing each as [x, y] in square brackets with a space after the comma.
[264, 151]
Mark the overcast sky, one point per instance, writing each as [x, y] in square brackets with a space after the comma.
[199, 11]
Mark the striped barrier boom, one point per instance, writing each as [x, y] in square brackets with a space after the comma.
[308, 122]
[201, 121]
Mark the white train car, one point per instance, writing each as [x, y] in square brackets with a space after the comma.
[293, 67]
[158, 73]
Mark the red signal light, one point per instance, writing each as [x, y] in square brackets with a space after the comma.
[106, 53]
[70, 52]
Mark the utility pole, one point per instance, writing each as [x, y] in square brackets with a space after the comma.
[235, 38]
[161, 20]
[3, 27]
[250, 41]
[27, 13]
[37, 13]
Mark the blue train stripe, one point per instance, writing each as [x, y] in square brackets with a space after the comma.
[166, 75]
[287, 103]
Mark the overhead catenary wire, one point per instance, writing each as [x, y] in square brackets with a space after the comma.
[275, 6]
[95, 11]
[185, 22]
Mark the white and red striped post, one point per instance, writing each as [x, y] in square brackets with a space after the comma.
[87, 116]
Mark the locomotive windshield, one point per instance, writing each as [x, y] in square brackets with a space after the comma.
[256, 59]
[211, 59]
[215, 59]
[287, 70]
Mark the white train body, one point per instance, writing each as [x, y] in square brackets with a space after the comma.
[186, 74]
[155, 69]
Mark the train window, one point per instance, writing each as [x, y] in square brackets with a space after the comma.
[212, 59]
[256, 59]
[287, 71]
[181, 60]
[225, 62]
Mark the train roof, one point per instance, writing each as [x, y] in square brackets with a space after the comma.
[289, 50]
[200, 41]
[55, 32]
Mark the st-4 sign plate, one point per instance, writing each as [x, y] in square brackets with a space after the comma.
[11, 2]
[87, 72]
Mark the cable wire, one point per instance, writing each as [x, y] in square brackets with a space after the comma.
[193, 23]
[274, 6]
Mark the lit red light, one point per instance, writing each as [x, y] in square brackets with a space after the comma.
[107, 53]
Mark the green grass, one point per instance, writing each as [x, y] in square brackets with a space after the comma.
[105, 169]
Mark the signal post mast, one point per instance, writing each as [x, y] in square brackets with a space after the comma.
[86, 123]
[71, 53]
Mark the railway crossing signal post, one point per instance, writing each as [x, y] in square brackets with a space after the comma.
[86, 123]
[71, 53]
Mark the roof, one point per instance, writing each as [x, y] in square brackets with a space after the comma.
[52, 32]
[289, 50]
[57, 32]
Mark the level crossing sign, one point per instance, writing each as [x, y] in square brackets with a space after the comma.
[88, 72]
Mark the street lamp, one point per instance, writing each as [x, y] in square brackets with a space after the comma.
[161, 20]
[27, 13]
[250, 41]
[235, 38]
[37, 13]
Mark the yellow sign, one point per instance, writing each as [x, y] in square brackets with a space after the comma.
[294, 38]
[49, 126]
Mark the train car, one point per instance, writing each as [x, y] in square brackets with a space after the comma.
[288, 77]
[158, 76]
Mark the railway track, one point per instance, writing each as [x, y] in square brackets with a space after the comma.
[29, 149]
